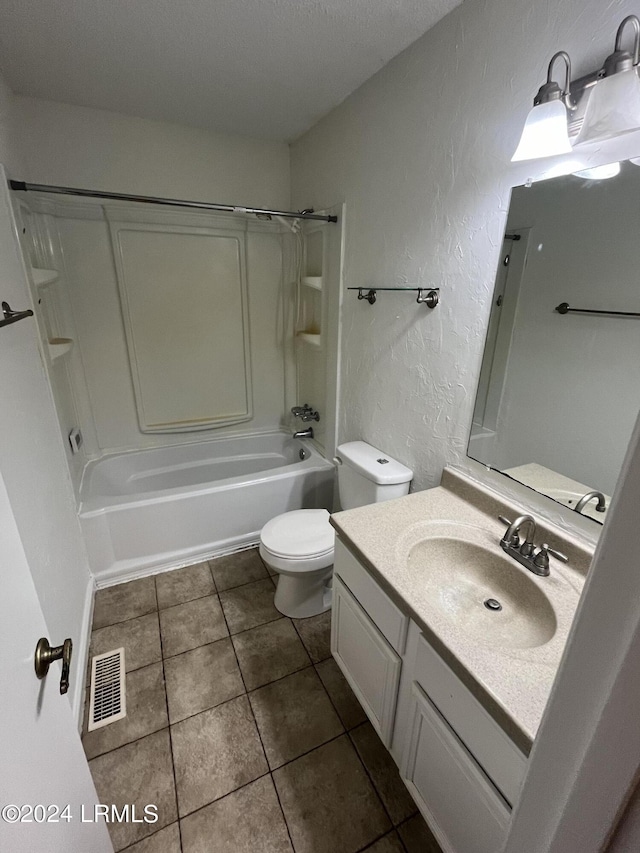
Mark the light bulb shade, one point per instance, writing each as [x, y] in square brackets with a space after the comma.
[613, 108]
[545, 133]
[599, 173]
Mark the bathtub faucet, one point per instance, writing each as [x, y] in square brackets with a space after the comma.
[305, 413]
[304, 433]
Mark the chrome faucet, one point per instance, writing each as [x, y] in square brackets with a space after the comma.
[584, 500]
[534, 559]
[304, 433]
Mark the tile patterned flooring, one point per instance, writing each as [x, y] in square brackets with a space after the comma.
[240, 727]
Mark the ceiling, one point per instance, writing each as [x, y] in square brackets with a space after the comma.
[263, 68]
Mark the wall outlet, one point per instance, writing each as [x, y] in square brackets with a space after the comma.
[75, 440]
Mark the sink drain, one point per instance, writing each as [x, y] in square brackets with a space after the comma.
[492, 604]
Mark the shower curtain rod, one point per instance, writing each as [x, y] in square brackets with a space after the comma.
[24, 186]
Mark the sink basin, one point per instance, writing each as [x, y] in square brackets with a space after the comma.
[460, 576]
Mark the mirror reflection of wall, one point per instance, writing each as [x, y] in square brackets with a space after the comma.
[558, 394]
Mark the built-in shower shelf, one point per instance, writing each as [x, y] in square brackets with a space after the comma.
[312, 339]
[41, 277]
[314, 281]
[59, 347]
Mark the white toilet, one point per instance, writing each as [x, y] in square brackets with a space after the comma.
[299, 544]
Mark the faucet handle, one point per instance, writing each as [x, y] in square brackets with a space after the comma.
[557, 554]
[541, 558]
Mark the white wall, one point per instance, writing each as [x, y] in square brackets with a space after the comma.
[10, 154]
[420, 154]
[96, 149]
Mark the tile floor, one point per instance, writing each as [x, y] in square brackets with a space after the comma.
[240, 727]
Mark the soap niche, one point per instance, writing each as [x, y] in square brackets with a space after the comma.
[311, 290]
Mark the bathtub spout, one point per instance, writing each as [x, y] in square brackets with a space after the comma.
[304, 433]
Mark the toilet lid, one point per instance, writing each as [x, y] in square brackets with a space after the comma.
[299, 534]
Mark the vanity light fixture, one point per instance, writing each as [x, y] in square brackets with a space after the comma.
[546, 130]
[614, 101]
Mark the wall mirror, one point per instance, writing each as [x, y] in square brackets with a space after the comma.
[559, 386]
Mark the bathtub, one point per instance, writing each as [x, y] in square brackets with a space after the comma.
[148, 510]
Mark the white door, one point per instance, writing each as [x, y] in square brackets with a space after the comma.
[42, 764]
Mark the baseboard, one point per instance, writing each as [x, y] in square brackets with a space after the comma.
[128, 570]
[81, 654]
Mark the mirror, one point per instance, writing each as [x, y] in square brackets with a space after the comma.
[559, 387]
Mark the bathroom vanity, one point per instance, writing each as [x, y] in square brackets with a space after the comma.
[454, 688]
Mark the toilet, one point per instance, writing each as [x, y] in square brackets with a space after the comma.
[299, 544]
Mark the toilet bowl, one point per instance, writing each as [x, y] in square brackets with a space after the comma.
[299, 545]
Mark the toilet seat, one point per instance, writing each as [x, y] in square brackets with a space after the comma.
[300, 536]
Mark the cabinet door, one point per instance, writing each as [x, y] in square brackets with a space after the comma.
[464, 810]
[368, 662]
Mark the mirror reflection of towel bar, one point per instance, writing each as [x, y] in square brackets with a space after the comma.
[564, 308]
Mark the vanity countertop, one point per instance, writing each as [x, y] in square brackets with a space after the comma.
[513, 684]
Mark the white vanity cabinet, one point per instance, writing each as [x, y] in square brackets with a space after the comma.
[462, 770]
[368, 635]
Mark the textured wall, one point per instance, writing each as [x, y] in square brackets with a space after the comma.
[96, 149]
[10, 156]
[420, 154]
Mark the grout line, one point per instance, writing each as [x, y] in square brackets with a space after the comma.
[224, 796]
[201, 646]
[129, 742]
[122, 621]
[173, 763]
[369, 776]
[280, 678]
[314, 662]
[189, 601]
[213, 580]
[259, 625]
[153, 835]
[348, 732]
[264, 751]
[370, 844]
[284, 817]
[264, 578]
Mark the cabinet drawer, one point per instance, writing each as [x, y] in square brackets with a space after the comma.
[460, 804]
[388, 618]
[496, 753]
[368, 662]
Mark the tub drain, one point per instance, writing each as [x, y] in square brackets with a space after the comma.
[492, 604]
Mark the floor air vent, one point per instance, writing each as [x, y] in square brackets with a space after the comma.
[107, 700]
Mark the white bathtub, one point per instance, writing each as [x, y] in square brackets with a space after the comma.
[148, 510]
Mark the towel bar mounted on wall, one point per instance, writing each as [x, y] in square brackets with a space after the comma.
[564, 308]
[13, 316]
[429, 296]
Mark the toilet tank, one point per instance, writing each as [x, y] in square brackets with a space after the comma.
[367, 475]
